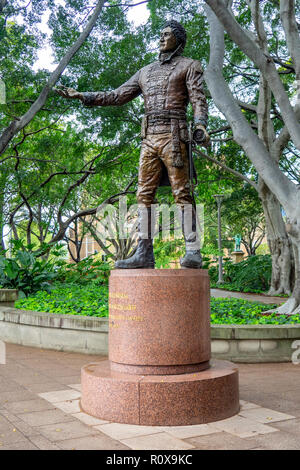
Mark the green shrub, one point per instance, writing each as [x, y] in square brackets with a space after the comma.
[82, 273]
[251, 275]
[166, 251]
[25, 271]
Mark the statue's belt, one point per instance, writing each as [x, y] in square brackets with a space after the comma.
[168, 116]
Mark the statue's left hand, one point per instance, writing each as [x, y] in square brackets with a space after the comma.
[201, 136]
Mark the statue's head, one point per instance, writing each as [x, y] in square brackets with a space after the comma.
[172, 36]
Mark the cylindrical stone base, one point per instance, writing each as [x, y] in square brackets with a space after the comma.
[159, 318]
[159, 370]
[160, 400]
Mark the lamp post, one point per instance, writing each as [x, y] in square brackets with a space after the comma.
[219, 199]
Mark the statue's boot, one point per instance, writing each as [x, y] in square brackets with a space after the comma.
[144, 256]
[192, 257]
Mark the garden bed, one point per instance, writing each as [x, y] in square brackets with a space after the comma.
[92, 301]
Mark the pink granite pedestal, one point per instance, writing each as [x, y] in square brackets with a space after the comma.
[159, 370]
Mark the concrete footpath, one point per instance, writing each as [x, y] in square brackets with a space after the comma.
[265, 299]
[39, 409]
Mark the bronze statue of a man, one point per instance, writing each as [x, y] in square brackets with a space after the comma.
[167, 86]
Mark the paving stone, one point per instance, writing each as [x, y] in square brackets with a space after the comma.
[68, 406]
[25, 429]
[60, 395]
[267, 385]
[63, 431]
[22, 445]
[243, 427]
[39, 418]
[45, 387]
[65, 380]
[60, 372]
[278, 441]
[5, 424]
[222, 441]
[75, 386]
[292, 426]
[265, 415]
[92, 443]
[18, 424]
[159, 441]
[31, 379]
[87, 419]
[10, 435]
[285, 402]
[16, 396]
[8, 385]
[10, 417]
[35, 364]
[246, 405]
[43, 444]
[123, 431]
[26, 406]
[185, 432]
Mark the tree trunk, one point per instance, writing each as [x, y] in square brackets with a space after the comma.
[292, 306]
[279, 243]
[285, 190]
[2, 245]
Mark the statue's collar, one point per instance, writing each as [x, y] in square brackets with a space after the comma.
[165, 57]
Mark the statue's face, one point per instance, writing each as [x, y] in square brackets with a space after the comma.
[167, 41]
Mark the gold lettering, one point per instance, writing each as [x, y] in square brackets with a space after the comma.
[113, 317]
[118, 295]
[122, 306]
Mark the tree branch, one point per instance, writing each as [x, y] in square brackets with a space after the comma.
[263, 61]
[287, 15]
[227, 168]
[16, 126]
[282, 187]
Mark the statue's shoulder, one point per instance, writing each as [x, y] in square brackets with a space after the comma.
[193, 63]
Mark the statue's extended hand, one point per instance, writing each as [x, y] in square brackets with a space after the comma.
[69, 93]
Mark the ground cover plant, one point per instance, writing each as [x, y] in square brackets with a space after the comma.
[72, 299]
[92, 300]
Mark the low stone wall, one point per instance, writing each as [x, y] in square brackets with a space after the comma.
[51, 331]
[254, 343]
[241, 343]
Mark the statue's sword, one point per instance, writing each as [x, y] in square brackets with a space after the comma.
[191, 163]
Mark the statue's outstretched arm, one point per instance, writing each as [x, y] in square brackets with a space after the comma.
[125, 93]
